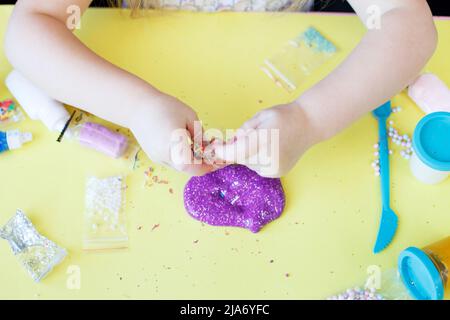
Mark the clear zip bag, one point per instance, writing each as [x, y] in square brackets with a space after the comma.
[298, 59]
[105, 224]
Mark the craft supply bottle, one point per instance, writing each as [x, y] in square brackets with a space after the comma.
[14, 139]
[421, 274]
[430, 162]
[101, 138]
[430, 93]
[424, 272]
[37, 104]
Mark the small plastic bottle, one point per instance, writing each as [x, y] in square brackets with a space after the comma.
[424, 272]
[14, 139]
[36, 103]
[101, 138]
[430, 162]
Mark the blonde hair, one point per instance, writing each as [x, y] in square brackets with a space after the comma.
[138, 5]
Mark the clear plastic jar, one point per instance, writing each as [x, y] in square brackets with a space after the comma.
[424, 272]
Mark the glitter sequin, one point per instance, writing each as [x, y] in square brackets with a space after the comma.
[234, 196]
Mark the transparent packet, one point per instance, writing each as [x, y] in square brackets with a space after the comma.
[298, 59]
[105, 225]
[37, 254]
[9, 113]
[379, 286]
[89, 132]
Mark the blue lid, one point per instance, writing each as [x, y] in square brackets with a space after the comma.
[3, 142]
[420, 275]
[431, 140]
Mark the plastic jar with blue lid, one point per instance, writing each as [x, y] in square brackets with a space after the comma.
[430, 162]
[424, 272]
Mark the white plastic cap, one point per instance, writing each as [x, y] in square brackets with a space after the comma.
[16, 139]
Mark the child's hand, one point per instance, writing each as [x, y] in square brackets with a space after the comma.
[163, 127]
[283, 135]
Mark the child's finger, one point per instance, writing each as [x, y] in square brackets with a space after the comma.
[180, 148]
[196, 169]
[253, 122]
[195, 128]
[239, 150]
[182, 157]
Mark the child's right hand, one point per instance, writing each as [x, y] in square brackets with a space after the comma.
[154, 124]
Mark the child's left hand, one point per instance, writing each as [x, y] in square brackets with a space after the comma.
[284, 134]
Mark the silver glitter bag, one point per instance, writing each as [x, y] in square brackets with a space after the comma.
[37, 254]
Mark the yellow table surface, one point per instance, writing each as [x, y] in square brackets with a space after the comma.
[321, 244]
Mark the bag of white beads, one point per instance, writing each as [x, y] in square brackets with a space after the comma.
[105, 224]
[378, 286]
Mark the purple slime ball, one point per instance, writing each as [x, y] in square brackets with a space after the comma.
[234, 196]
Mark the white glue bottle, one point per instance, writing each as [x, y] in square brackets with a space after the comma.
[13, 139]
[37, 104]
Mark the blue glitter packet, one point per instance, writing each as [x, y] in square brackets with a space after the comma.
[298, 59]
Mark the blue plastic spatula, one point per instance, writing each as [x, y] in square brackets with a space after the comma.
[388, 223]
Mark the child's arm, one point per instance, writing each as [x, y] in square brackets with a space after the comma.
[383, 63]
[39, 44]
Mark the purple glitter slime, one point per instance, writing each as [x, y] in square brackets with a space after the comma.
[234, 196]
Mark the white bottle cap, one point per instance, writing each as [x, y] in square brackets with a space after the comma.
[54, 119]
[16, 139]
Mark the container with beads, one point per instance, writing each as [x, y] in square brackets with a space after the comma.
[105, 223]
[389, 287]
[9, 113]
[421, 274]
[424, 272]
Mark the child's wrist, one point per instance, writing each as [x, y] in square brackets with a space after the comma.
[143, 107]
[312, 130]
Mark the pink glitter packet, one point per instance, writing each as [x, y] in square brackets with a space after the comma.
[100, 138]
